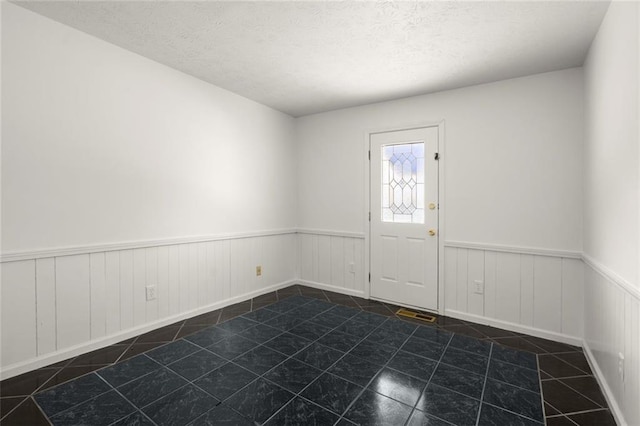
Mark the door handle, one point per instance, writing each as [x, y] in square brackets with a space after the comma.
[432, 232]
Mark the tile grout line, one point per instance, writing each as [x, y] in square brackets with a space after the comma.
[289, 357]
[497, 380]
[263, 374]
[126, 350]
[519, 366]
[144, 375]
[326, 371]
[571, 420]
[41, 387]
[137, 409]
[508, 384]
[578, 392]
[484, 385]
[24, 400]
[385, 365]
[175, 336]
[513, 412]
[413, 409]
[565, 362]
[76, 405]
[3, 415]
[39, 409]
[544, 411]
[188, 381]
[101, 378]
[365, 387]
[595, 410]
[583, 376]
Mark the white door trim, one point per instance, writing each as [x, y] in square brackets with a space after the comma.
[441, 216]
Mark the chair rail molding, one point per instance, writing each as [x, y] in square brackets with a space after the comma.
[12, 256]
[331, 233]
[514, 249]
[607, 273]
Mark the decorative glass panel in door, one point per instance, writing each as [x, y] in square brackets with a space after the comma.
[403, 183]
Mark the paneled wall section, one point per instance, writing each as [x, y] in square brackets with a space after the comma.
[55, 304]
[612, 327]
[332, 261]
[533, 292]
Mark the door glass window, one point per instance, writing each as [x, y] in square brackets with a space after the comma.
[403, 183]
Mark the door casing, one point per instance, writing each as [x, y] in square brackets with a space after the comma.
[441, 216]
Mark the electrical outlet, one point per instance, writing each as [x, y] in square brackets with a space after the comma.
[621, 366]
[478, 286]
[258, 271]
[151, 292]
[352, 267]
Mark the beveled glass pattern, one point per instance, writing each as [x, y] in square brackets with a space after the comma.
[403, 183]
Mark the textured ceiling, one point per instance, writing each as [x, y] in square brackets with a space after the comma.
[305, 57]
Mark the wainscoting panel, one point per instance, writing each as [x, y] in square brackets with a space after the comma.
[45, 306]
[507, 296]
[59, 306]
[332, 261]
[475, 267]
[526, 290]
[460, 279]
[547, 293]
[18, 315]
[612, 327]
[97, 295]
[112, 284]
[126, 289]
[73, 300]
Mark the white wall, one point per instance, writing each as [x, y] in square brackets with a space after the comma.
[611, 163]
[611, 206]
[101, 146]
[512, 201]
[513, 157]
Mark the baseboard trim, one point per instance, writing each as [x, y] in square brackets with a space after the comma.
[61, 355]
[519, 328]
[514, 249]
[329, 287]
[129, 245]
[608, 393]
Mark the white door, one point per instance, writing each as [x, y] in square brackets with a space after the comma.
[404, 217]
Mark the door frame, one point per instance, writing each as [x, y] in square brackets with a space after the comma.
[441, 213]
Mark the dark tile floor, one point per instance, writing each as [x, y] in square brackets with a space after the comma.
[311, 357]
